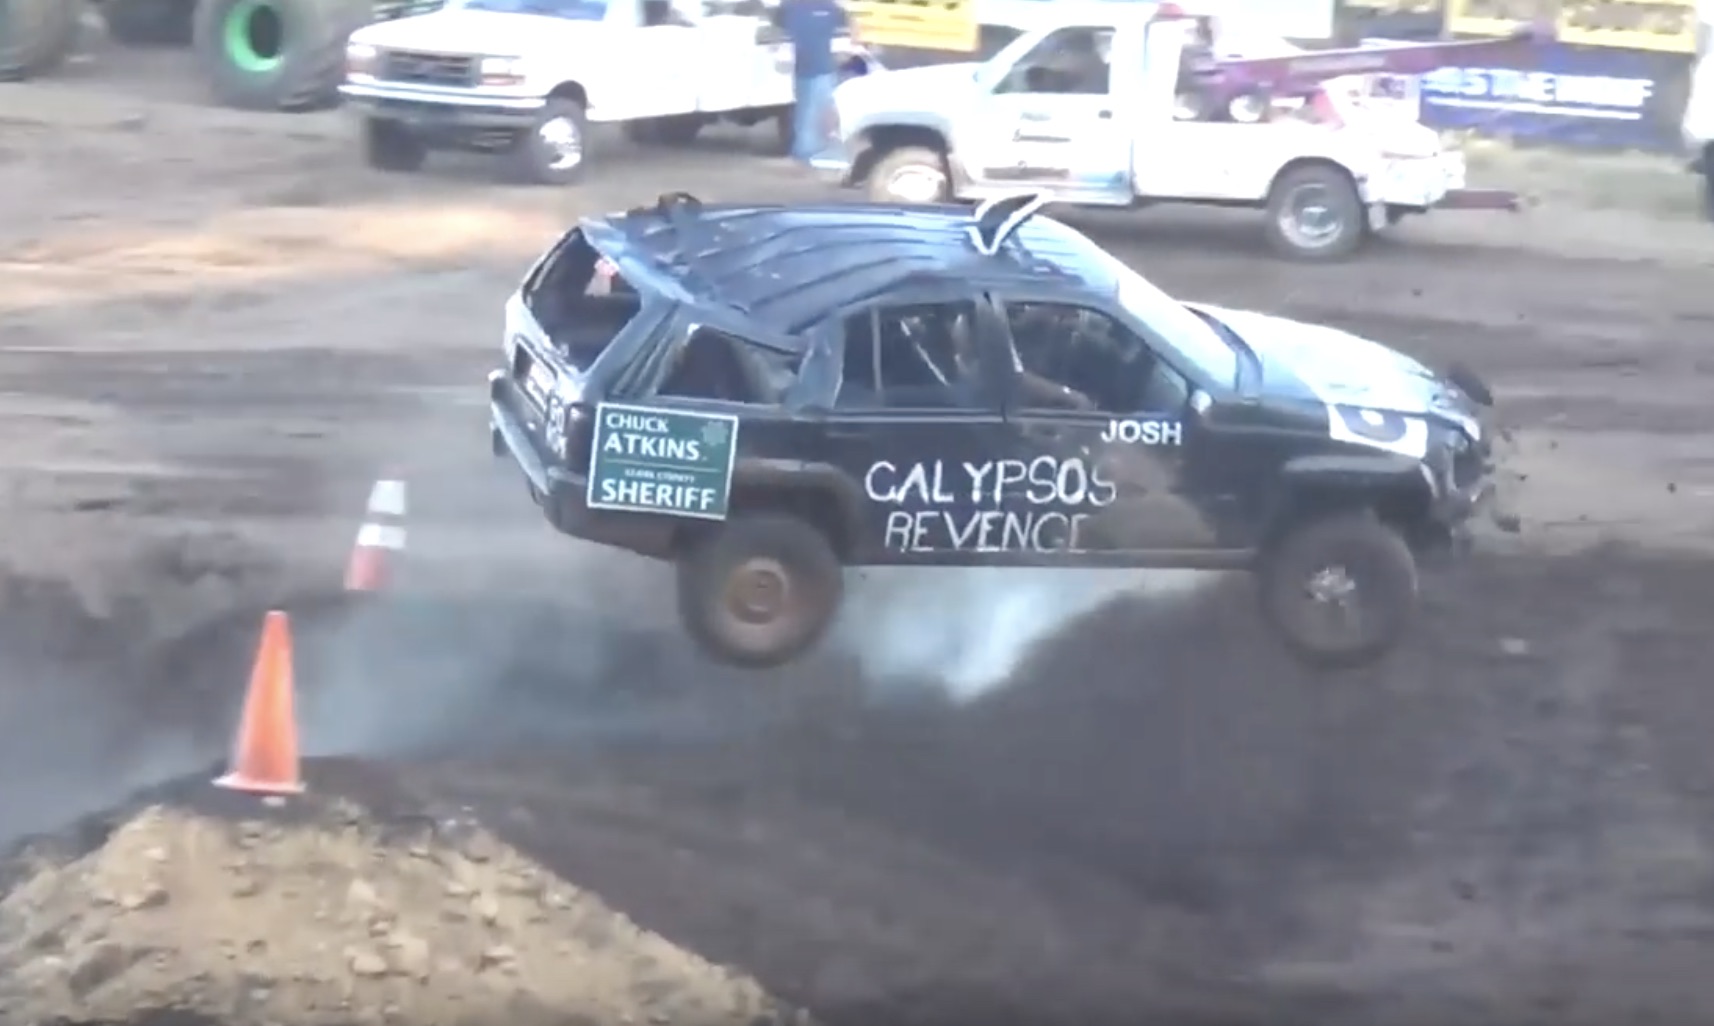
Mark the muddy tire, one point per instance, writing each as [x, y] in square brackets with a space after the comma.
[148, 22]
[36, 36]
[1316, 215]
[913, 175]
[275, 54]
[554, 150]
[392, 146]
[760, 590]
[1341, 590]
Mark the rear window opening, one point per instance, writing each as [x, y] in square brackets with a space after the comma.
[580, 300]
[711, 364]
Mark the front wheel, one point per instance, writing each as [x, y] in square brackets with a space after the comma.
[554, 149]
[760, 590]
[392, 146]
[1341, 590]
[912, 175]
[1316, 214]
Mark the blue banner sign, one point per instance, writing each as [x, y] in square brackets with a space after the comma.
[1566, 95]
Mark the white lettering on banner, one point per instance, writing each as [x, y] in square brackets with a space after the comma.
[1144, 432]
[1607, 97]
[1045, 482]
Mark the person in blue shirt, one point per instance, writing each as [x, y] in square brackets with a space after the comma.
[812, 25]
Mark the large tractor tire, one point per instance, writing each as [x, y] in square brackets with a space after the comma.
[36, 36]
[276, 54]
[148, 22]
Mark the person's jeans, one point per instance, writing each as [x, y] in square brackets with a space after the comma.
[813, 99]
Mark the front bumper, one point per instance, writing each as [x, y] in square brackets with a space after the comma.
[431, 107]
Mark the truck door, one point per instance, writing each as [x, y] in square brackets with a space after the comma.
[1050, 123]
[915, 420]
[1103, 426]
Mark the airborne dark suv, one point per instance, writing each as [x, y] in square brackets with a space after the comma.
[766, 394]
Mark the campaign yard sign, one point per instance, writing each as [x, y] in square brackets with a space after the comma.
[644, 459]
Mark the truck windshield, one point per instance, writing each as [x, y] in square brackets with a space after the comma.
[575, 10]
[1193, 337]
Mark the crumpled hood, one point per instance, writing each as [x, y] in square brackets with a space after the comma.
[1318, 362]
[484, 33]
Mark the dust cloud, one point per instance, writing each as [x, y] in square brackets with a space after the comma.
[964, 632]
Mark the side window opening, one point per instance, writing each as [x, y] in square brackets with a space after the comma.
[580, 299]
[911, 357]
[1071, 60]
[712, 364]
[1073, 358]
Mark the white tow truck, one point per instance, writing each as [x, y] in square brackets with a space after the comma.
[1129, 104]
[526, 78]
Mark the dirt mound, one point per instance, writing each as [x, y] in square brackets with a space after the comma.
[208, 906]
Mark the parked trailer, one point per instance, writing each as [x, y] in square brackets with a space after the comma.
[253, 54]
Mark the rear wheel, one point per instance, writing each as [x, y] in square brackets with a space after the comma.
[1340, 589]
[36, 36]
[760, 590]
[149, 22]
[1316, 214]
[912, 174]
[276, 54]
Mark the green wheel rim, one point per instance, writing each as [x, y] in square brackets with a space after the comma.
[243, 23]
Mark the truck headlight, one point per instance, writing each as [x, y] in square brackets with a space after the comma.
[501, 71]
[361, 59]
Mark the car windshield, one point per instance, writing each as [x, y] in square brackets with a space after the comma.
[576, 10]
[1194, 338]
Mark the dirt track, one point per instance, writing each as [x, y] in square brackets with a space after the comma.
[216, 332]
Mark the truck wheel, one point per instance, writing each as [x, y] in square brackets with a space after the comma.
[36, 36]
[1341, 590]
[148, 22]
[391, 146]
[554, 149]
[760, 590]
[1315, 213]
[912, 175]
[275, 54]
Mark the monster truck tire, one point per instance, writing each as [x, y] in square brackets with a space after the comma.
[540, 157]
[275, 54]
[36, 36]
[148, 22]
[1340, 589]
[911, 174]
[392, 146]
[759, 590]
[1315, 214]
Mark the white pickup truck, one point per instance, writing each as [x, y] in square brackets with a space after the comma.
[1092, 110]
[526, 78]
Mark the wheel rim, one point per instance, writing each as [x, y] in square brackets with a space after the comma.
[255, 36]
[563, 142]
[1309, 218]
[758, 592]
[917, 184]
[1332, 609]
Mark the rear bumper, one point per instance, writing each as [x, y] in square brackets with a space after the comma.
[562, 494]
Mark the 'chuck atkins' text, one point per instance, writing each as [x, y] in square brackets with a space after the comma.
[1038, 505]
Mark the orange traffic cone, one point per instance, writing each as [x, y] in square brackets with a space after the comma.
[265, 758]
[383, 531]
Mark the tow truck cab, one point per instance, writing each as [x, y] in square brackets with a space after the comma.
[1089, 111]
